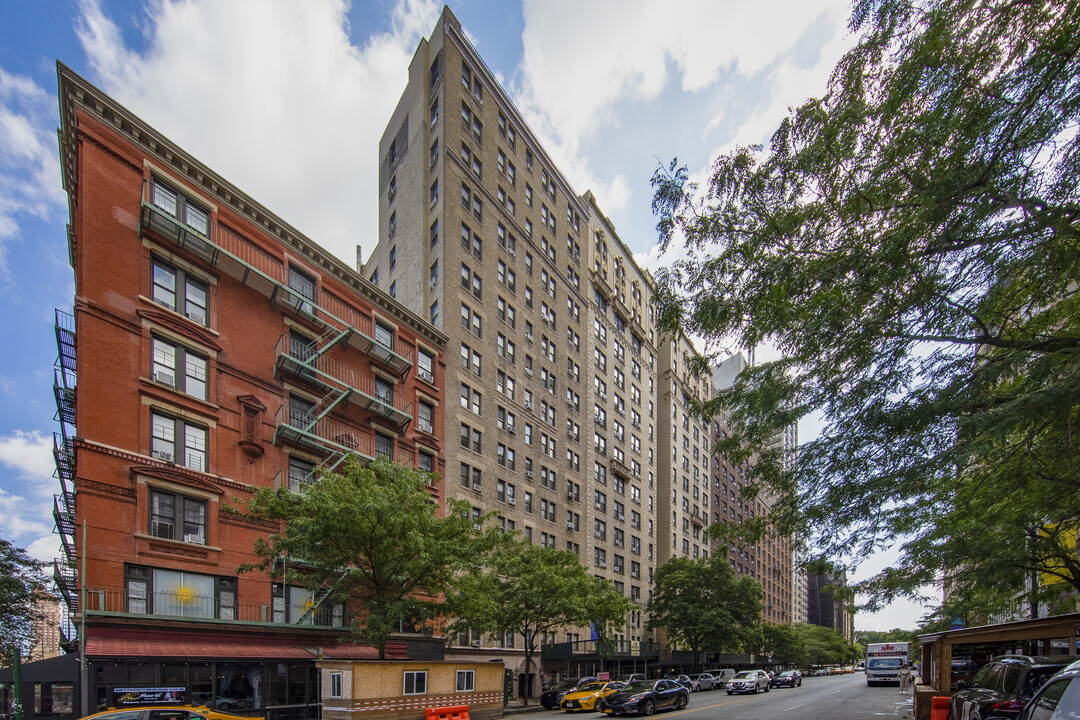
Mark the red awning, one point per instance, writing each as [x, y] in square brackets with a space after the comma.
[130, 643]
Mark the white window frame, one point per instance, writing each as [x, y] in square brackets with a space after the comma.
[413, 676]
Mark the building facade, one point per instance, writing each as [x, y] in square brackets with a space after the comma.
[548, 325]
[212, 348]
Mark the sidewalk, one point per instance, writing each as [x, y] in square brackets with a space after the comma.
[517, 706]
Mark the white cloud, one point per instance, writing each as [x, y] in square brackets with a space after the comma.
[574, 75]
[26, 517]
[29, 167]
[273, 95]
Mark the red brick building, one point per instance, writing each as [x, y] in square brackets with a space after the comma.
[212, 347]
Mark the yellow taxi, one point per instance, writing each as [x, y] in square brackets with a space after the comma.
[165, 712]
[590, 696]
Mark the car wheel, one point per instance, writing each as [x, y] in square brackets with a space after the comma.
[768, 688]
[599, 707]
[681, 702]
[648, 707]
[729, 692]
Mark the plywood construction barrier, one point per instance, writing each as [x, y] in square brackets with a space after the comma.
[411, 690]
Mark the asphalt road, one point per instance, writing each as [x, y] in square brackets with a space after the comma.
[839, 697]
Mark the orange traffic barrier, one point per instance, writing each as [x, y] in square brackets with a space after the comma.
[939, 708]
[454, 712]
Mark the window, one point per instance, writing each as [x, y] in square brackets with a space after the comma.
[425, 417]
[466, 680]
[471, 399]
[177, 291]
[471, 359]
[433, 233]
[433, 193]
[425, 461]
[181, 208]
[415, 682]
[433, 313]
[175, 440]
[471, 320]
[175, 366]
[384, 447]
[335, 685]
[301, 473]
[303, 287]
[384, 336]
[176, 517]
[471, 439]
[184, 594]
[425, 366]
[471, 477]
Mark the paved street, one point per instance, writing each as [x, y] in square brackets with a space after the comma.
[841, 697]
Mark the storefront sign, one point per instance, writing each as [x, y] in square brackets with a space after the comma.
[123, 697]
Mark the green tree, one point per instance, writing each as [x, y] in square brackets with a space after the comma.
[22, 583]
[373, 532]
[910, 243]
[823, 646]
[702, 606]
[532, 590]
[786, 646]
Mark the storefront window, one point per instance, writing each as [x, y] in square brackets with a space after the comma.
[239, 686]
[53, 698]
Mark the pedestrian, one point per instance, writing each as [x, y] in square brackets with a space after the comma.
[905, 679]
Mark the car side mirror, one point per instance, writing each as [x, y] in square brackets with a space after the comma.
[960, 684]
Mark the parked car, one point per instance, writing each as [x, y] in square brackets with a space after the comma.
[1002, 687]
[704, 681]
[722, 677]
[553, 696]
[1058, 699]
[787, 678]
[164, 712]
[632, 677]
[749, 681]
[961, 670]
[683, 680]
[590, 696]
[646, 697]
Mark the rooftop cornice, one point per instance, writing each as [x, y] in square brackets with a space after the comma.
[75, 93]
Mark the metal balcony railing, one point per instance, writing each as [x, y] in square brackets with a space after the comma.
[306, 362]
[304, 428]
[246, 262]
[186, 605]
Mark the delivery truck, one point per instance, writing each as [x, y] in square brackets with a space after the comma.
[884, 660]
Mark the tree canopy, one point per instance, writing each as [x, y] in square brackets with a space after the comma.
[701, 604]
[22, 584]
[910, 245]
[373, 532]
[532, 591]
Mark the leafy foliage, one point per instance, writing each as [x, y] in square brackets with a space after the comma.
[822, 645]
[701, 605]
[22, 583]
[910, 243]
[373, 532]
[532, 590]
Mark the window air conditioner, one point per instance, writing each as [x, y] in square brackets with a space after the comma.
[476, 487]
[529, 405]
[569, 526]
[476, 643]
[165, 379]
[167, 457]
[512, 500]
[511, 429]
[529, 473]
[163, 529]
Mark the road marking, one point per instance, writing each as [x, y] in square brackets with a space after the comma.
[836, 692]
[793, 707]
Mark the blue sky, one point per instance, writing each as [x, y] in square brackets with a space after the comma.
[288, 98]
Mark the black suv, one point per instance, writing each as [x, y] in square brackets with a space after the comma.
[1002, 687]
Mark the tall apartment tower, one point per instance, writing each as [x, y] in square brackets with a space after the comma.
[212, 348]
[685, 449]
[550, 337]
[771, 561]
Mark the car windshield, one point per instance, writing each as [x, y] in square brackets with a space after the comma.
[786, 673]
[884, 664]
[640, 686]
[746, 675]
[591, 687]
